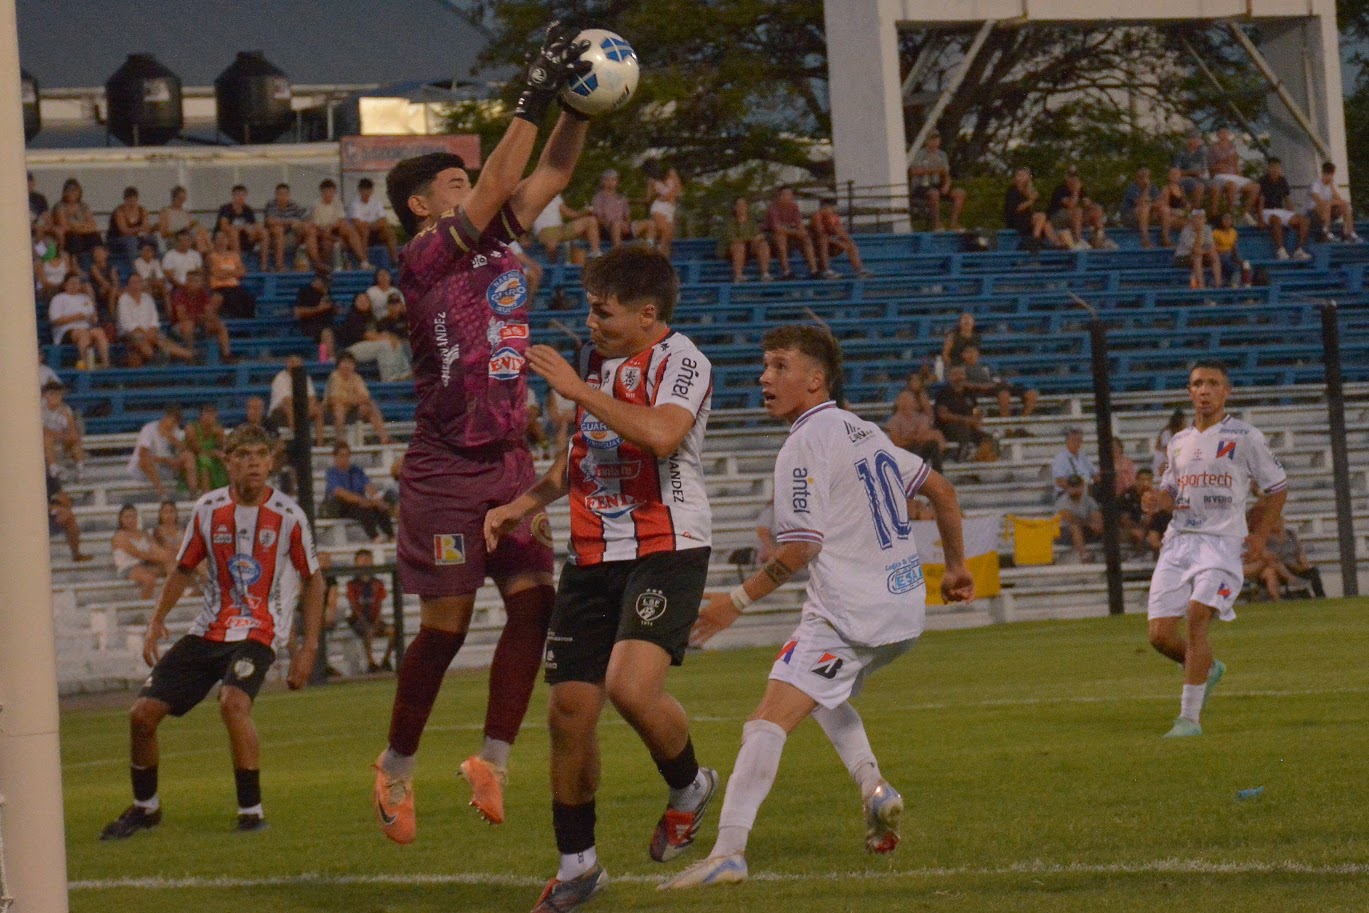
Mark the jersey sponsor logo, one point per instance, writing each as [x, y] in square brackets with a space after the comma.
[631, 376]
[500, 331]
[1226, 449]
[598, 435]
[449, 548]
[245, 621]
[1205, 479]
[904, 576]
[506, 363]
[221, 536]
[855, 433]
[449, 351]
[688, 374]
[786, 652]
[507, 293]
[479, 260]
[827, 666]
[611, 504]
[243, 669]
[616, 472]
[244, 570]
[541, 530]
[800, 490]
[266, 538]
[650, 606]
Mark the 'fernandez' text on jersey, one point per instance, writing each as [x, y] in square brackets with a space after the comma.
[624, 502]
[1209, 476]
[468, 324]
[842, 484]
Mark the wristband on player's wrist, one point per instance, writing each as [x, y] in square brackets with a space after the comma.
[532, 105]
[740, 599]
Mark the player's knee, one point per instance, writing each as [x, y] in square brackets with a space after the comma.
[234, 704]
[631, 697]
[144, 717]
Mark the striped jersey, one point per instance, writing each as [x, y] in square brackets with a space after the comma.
[1209, 475]
[842, 484]
[626, 503]
[257, 558]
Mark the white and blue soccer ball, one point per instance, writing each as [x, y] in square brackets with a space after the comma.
[613, 79]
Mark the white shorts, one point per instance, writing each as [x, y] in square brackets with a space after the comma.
[661, 207]
[820, 663]
[1222, 179]
[1196, 567]
[1283, 215]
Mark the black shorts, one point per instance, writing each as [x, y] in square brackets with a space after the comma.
[655, 599]
[186, 672]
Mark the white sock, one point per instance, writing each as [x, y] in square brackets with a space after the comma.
[573, 865]
[752, 776]
[688, 798]
[397, 766]
[846, 732]
[149, 805]
[1192, 703]
[496, 752]
[254, 810]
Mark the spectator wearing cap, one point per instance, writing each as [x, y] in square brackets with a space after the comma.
[1191, 161]
[368, 218]
[140, 328]
[350, 494]
[283, 216]
[614, 215]
[328, 225]
[784, 223]
[240, 221]
[1071, 209]
[929, 177]
[61, 431]
[830, 237]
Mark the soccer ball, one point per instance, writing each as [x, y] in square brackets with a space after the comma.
[613, 79]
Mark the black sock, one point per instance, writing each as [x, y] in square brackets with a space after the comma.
[249, 787]
[680, 771]
[574, 826]
[144, 783]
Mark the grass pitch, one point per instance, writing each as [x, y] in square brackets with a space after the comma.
[1029, 757]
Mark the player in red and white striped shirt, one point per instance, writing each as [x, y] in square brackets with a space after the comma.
[258, 550]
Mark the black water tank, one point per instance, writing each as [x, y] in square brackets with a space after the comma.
[28, 94]
[253, 99]
[144, 100]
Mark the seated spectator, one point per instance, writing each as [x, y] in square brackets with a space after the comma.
[559, 224]
[1277, 214]
[346, 398]
[360, 335]
[784, 223]
[1072, 461]
[1019, 213]
[314, 308]
[387, 300]
[958, 417]
[105, 283]
[367, 213]
[1196, 247]
[1160, 459]
[168, 532]
[74, 223]
[45, 373]
[140, 328]
[1326, 205]
[1143, 530]
[175, 218]
[1071, 209]
[282, 406]
[831, 238]
[283, 216]
[160, 456]
[1293, 564]
[912, 425]
[349, 494]
[226, 270]
[741, 234]
[129, 227]
[240, 222]
[51, 266]
[204, 438]
[1191, 161]
[614, 215]
[38, 204]
[327, 226]
[1224, 238]
[929, 177]
[194, 309]
[181, 260]
[62, 519]
[663, 190]
[1226, 182]
[958, 340]
[981, 381]
[61, 431]
[1172, 206]
[366, 602]
[136, 557]
[1139, 200]
[150, 269]
[1123, 467]
[71, 313]
[1080, 517]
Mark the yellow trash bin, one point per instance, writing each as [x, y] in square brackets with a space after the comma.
[1033, 539]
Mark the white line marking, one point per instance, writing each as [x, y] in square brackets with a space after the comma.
[1036, 867]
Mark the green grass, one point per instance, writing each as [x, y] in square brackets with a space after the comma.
[1029, 756]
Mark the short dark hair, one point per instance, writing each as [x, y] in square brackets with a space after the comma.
[247, 436]
[282, 186]
[634, 274]
[348, 356]
[1145, 471]
[814, 342]
[1211, 365]
[340, 446]
[327, 182]
[1328, 167]
[414, 176]
[237, 187]
[363, 553]
[1275, 160]
[130, 192]
[365, 184]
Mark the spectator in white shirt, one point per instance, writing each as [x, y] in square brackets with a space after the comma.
[150, 268]
[1072, 461]
[368, 217]
[71, 313]
[385, 296]
[560, 224]
[281, 408]
[140, 329]
[1325, 202]
[181, 260]
[327, 225]
[161, 457]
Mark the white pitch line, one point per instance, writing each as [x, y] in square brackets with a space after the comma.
[1035, 867]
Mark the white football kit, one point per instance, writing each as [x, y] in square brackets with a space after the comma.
[1209, 475]
[841, 483]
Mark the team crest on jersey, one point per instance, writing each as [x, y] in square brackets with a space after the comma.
[786, 652]
[507, 293]
[827, 666]
[244, 570]
[651, 605]
[541, 530]
[243, 669]
[506, 363]
[266, 538]
[597, 434]
[222, 536]
[631, 376]
[1226, 449]
[1224, 591]
[449, 548]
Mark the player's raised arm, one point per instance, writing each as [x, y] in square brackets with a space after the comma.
[956, 584]
[555, 167]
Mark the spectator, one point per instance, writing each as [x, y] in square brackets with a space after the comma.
[38, 204]
[346, 398]
[663, 189]
[104, 282]
[349, 494]
[62, 519]
[1070, 208]
[1080, 518]
[254, 413]
[958, 340]
[168, 532]
[1192, 164]
[328, 225]
[282, 406]
[386, 298]
[194, 308]
[784, 223]
[204, 438]
[140, 329]
[559, 224]
[314, 308]
[137, 558]
[360, 335]
[741, 234]
[45, 373]
[74, 223]
[1124, 467]
[368, 218]
[958, 417]
[1227, 182]
[1325, 204]
[1224, 238]
[1139, 528]
[1019, 213]
[831, 238]
[1072, 461]
[981, 381]
[71, 312]
[1293, 564]
[175, 218]
[226, 270]
[161, 457]
[61, 431]
[1277, 214]
[1139, 200]
[930, 178]
[240, 221]
[1160, 460]
[1172, 206]
[129, 227]
[51, 267]
[366, 601]
[181, 260]
[1196, 247]
[912, 425]
[614, 215]
[150, 269]
[283, 216]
